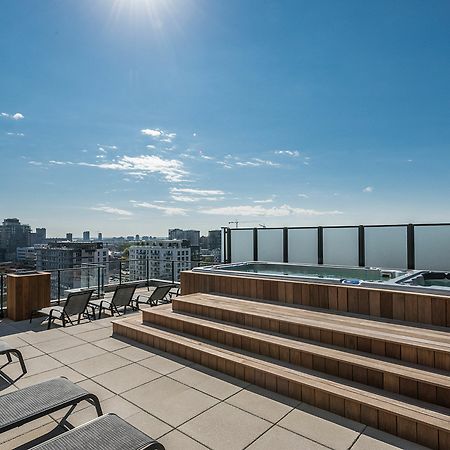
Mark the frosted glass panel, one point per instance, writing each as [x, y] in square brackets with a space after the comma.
[386, 247]
[302, 245]
[270, 245]
[432, 246]
[241, 245]
[340, 246]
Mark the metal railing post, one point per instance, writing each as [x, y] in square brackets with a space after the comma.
[173, 271]
[410, 247]
[255, 244]
[320, 245]
[1, 296]
[285, 245]
[361, 247]
[98, 281]
[147, 270]
[59, 286]
[120, 272]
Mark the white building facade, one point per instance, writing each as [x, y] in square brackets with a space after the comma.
[157, 258]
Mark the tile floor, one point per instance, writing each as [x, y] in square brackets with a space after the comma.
[183, 405]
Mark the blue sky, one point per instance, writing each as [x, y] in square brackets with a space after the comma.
[133, 116]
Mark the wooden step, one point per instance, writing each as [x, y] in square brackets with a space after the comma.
[380, 372]
[424, 346]
[414, 420]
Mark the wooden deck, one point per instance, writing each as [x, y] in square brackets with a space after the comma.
[388, 374]
[397, 305]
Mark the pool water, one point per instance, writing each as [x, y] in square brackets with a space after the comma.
[311, 271]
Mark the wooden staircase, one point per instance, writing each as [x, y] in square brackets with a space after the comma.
[389, 375]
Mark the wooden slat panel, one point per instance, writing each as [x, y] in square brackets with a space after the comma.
[398, 306]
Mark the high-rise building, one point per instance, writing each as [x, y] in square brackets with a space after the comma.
[86, 236]
[78, 256]
[69, 237]
[100, 237]
[214, 239]
[39, 237]
[13, 234]
[193, 236]
[157, 256]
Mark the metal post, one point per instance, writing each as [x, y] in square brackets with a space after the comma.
[98, 281]
[410, 247]
[59, 286]
[320, 245]
[1, 296]
[147, 270]
[173, 271]
[361, 247]
[228, 245]
[120, 272]
[285, 245]
[255, 244]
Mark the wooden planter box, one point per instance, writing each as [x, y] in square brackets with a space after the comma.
[27, 292]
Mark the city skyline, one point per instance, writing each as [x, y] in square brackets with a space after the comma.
[146, 115]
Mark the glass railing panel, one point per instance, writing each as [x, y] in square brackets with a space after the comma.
[241, 245]
[386, 247]
[270, 245]
[340, 246]
[432, 247]
[302, 245]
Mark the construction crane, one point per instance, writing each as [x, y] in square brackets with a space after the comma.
[235, 222]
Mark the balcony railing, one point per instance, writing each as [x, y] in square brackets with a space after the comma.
[105, 277]
[403, 246]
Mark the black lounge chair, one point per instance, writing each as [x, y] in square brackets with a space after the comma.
[108, 432]
[123, 296]
[76, 305]
[6, 349]
[161, 294]
[25, 405]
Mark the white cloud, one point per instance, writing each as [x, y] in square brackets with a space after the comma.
[150, 132]
[110, 210]
[261, 211]
[151, 146]
[257, 162]
[108, 147]
[140, 166]
[267, 200]
[368, 189]
[15, 134]
[186, 198]
[16, 116]
[292, 153]
[167, 210]
[303, 195]
[35, 163]
[201, 192]
[161, 135]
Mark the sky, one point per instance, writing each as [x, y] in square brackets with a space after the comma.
[135, 116]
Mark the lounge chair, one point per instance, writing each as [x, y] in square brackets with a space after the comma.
[25, 405]
[76, 305]
[160, 294]
[123, 296]
[6, 349]
[106, 432]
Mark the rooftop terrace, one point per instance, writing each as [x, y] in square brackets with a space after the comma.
[180, 403]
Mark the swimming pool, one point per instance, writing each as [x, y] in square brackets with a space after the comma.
[320, 273]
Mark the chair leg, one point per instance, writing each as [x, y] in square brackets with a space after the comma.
[79, 318]
[64, 320]
[9, 357]
[100, 310]
[49, 320]
[18, 353]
